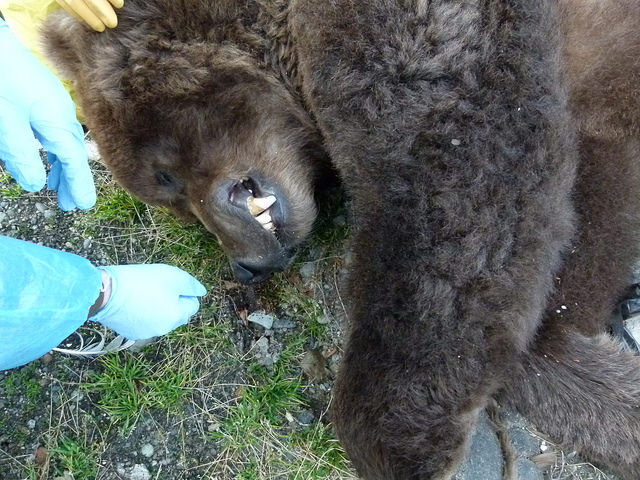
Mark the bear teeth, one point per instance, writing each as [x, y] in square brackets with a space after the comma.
[266, 221]
[259, 208]
[264, 217]
[258, 205]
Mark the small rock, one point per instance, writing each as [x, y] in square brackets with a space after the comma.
[138, 472]
[324, 319]
[147, 450]
[31, 424]
[40, 207]
[306, 417]
[261, 318]
[283, 324]
[261, 352]
[48, 214]
[76, 395]
[455, 142]
[308, 270]
[40, 456]
[87, 243]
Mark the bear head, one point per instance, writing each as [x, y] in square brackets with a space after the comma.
[188, 117]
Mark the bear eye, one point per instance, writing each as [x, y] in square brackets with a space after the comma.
[164, 178]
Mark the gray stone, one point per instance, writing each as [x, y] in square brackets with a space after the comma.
[261, 352]
[261, 318]
[527, 470]
[283, 323]
[324, 319]
[308, 270]
[484, 460]
[306, 417]
[147, 450]
[138, 472]
[525, 444]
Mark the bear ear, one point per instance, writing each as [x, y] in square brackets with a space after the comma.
[63, 38]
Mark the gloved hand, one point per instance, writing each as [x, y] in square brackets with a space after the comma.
[149, 300]
[98, 14]
[33, 101]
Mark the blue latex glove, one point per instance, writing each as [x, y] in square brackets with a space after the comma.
[33, 101]
[149, 300]
[45, 295]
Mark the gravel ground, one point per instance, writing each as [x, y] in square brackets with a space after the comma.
[173, 446]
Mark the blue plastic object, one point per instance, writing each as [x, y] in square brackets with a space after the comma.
[45, 295]
[34, 102]
[149, 300]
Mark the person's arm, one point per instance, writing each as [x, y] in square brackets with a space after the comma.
[46, 294]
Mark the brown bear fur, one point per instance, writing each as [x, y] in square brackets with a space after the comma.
[448, 125]
[602, 420]
[448, 122]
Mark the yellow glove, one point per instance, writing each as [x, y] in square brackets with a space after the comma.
[98, 14]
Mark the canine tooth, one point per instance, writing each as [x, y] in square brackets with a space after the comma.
[257, 205]
[264, 218]
[269, 226]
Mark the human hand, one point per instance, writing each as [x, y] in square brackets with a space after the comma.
[98, 14]
[34, 102]
[149, 300]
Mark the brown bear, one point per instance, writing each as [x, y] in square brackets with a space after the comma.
[447, 122]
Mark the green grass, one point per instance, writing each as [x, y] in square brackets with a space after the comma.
[8, 187]
[128, 385]
[23, 383]
[267, 397]
[115, 205]
[75, 457]
[329, 454]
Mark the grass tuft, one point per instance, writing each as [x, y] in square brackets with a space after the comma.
[74, 457]
[128, 386]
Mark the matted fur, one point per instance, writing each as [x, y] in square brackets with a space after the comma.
[447, 121]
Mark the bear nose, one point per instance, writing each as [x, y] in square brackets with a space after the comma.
[251, 274]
